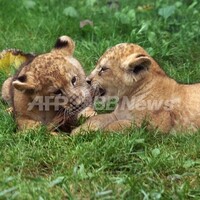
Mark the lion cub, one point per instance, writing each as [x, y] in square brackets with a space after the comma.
[144, 92]
[49, 89]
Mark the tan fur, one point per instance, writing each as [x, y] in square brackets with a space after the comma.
[45, 76]
[6, 90]
[128, 72]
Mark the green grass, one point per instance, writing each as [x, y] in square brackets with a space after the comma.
[137, 164]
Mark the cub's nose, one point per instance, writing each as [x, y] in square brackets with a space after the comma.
[88, 80]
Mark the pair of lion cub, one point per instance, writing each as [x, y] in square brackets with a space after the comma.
[52, 89]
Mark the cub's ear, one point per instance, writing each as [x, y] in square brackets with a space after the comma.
[137, 64]
[65, 44]
[25, 82]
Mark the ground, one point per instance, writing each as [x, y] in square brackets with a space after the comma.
[136, 164]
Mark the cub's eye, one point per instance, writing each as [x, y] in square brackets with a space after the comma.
[103, 69]
[58, 92]
[73, 81]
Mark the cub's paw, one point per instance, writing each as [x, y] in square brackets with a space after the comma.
[87, 112]
[9, 110]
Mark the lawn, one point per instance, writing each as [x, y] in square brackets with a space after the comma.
[135, 164]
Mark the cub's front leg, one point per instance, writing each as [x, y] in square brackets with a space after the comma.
[25, 123]
[95, 123]
[118, 125]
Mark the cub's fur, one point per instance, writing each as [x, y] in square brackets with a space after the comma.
[49, 89]
[145, 93]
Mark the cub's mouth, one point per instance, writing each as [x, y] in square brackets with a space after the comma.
[77, 104]
[97, 92]
[75, 109]
[102, 92]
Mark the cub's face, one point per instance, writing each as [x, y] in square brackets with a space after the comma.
[119, 69]
[56, 79]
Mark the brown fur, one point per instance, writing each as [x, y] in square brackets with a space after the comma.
[55, 74]
[127, 71]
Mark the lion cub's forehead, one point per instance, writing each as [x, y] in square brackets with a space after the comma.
[54, 68]
[120, 52]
